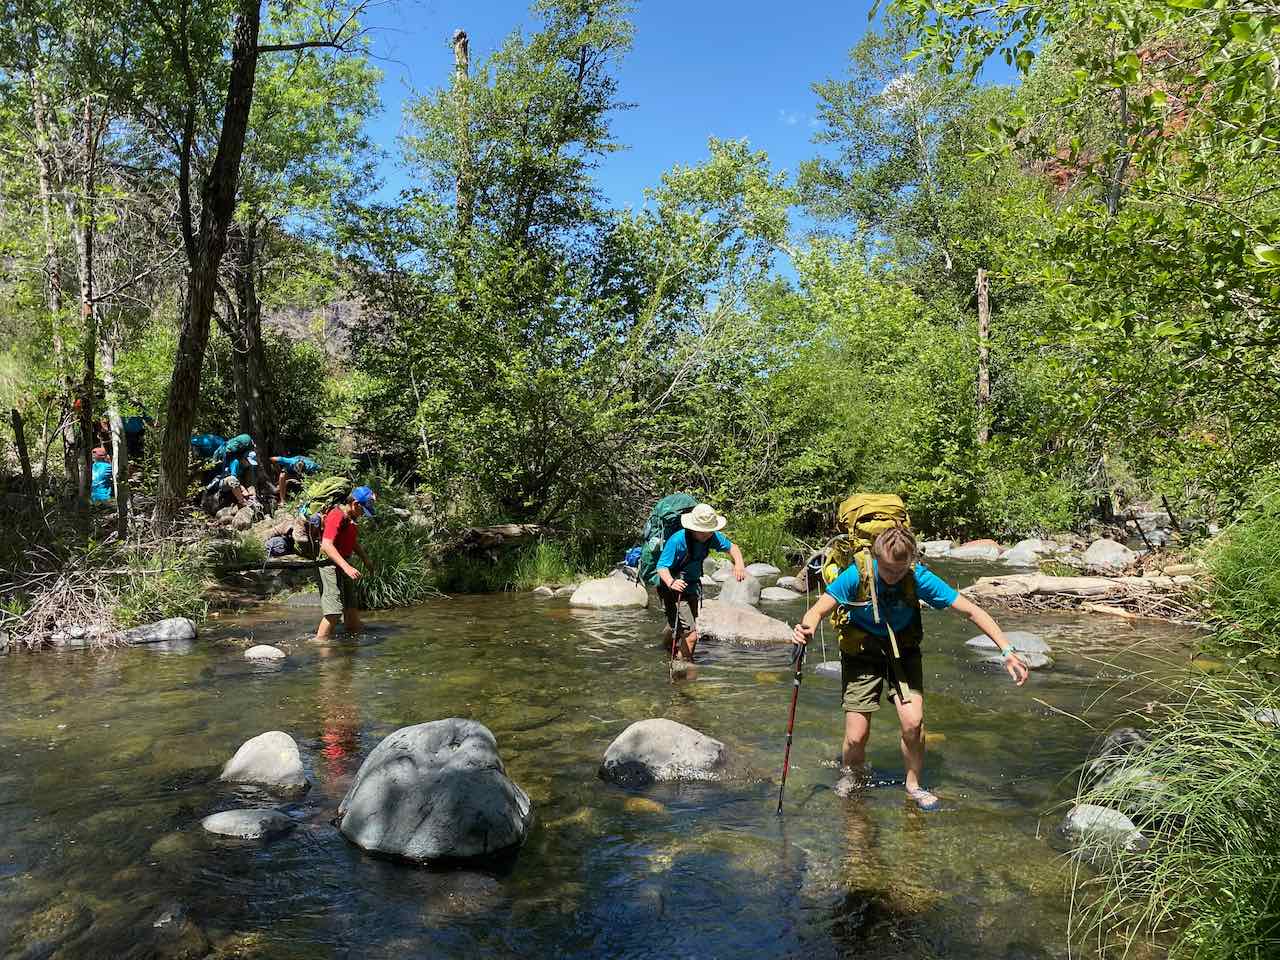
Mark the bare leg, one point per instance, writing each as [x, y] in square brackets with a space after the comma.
[911, 718]
[689, 643]
[351, 620]
[327, 625]
[857, 730]
[282, 484]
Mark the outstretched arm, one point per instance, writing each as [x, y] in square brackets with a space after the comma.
[984, 622]
[805, 628]
[739, 568]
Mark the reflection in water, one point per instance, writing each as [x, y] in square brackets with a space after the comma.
[109, 763]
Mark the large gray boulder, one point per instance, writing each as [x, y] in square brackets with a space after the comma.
[435, 791]
[976, 550]
[828, 668]
[791, 583]
[722, 573]
[1107, 556]
[1099, 831]
[264, 651]
[660, 749]
[609, 593]
[269, 760]
[1026, 553]
[739, 623]
[937, 548]
[766, 573]
[780, 595]
[175, 628]
[1022, 641]
[746, 590]
[248, 824]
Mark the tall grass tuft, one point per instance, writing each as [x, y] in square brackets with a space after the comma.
[523, 568]
[762, 538]
[403, 573]
[1245, 563]
[1204, 791]
[161, 581]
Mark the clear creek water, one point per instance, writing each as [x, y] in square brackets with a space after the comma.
[109, 761]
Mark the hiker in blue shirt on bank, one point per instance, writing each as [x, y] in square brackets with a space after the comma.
[680, 568]
[100, 482]
[292, 470]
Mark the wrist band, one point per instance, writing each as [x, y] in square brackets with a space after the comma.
[1008, 652]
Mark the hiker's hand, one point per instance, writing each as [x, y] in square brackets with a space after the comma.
[802, 634]
[1017, 669]
[352, 572]
[679, 586]
[739, 571]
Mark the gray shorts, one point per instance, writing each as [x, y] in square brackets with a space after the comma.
[337, 592]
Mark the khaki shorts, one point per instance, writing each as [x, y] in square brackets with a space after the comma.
[337, 592]
[863, 676]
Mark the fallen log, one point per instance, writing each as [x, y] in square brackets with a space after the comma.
[1130, 598]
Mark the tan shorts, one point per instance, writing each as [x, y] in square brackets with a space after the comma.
[863, 676]
[337, 592]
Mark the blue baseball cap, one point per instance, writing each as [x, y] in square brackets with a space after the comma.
[365, 497]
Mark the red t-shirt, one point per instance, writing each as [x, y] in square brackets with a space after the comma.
[339, 528]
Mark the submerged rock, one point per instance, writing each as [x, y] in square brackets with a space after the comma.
[1108, 556]
[1092, 829]
[609, 593]
[1022, 641]
[1034, 661]
[264, 652]
[828, 668]
[661, 749]
[269, 760]
[739, 623]
[175, 628]
[746, 590]
[435, 791]
[260, 824]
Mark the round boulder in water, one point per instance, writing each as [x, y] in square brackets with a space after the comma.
[609, 593]
[780, 595]
[976, 550]
[175, 628]
[766, 573]
[791, 583]
[739, 623]
[829, 668]
[264, 651]
[746, 590]
[1098, 831]
[248, 824]
[661, 749]
[1108, 556]
[435, 791]
[269, 760]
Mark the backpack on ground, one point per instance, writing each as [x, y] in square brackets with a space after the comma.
[663, 522]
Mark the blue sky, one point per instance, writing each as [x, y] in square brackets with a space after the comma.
[699, 68]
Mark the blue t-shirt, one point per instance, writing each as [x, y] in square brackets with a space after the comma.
[683, 556]
[206, 444]
[894, 607]
[298, 465]
[100, 484]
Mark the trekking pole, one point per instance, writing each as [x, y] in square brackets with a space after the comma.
[791, 722]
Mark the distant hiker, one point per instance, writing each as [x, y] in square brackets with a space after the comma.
[873, 594]
[338, 540]
[240, 478]
[205, 445]
[100, 479]
[320, 495]
[292, 471]
[680, 568]
[135, 435]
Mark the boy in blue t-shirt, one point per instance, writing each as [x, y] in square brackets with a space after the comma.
[100, 477]
[680, 568]
[868, 661]
[292, 470]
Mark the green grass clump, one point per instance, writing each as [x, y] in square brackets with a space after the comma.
[1203, 791]
[403, 573]
[1245, 564]
[160, 582]
[762, 538]
[523, 568]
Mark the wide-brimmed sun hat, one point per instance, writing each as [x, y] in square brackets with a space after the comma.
[703, 518]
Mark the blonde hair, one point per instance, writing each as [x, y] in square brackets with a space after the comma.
[897, 545]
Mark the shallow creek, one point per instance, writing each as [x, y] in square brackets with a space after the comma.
[109, 761]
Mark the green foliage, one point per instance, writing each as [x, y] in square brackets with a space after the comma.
[1245, 564]
[402, 566]
[1203, 791]
[762, 538]
[525, 567]
[161, 581]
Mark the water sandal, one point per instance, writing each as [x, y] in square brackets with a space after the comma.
[925, 800]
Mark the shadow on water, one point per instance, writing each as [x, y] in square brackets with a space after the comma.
[110, 761]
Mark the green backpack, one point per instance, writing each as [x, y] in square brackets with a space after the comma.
[664, 520]
[321, 495]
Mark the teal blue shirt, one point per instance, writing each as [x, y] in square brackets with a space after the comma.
[683, 556]
[894, 607]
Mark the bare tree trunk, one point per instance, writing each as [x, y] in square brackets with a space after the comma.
[984, 351]
[119, 445]
[218, 197]
[253, 384]
[82, 215]
[20, 441]
[53, 280]
[466, 193]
